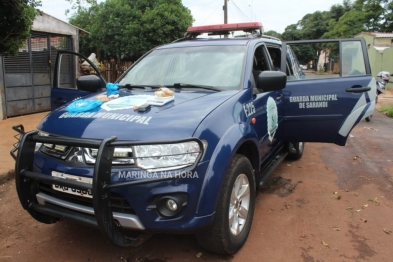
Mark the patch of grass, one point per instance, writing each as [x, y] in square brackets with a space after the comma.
[388, 110]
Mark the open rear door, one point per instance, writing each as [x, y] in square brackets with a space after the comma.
[75, 76]
[324, 102]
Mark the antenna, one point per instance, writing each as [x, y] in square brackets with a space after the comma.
[251, 9]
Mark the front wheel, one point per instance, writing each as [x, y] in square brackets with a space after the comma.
[368, 119]
[235, 210]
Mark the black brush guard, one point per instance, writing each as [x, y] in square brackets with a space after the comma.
[26, 182]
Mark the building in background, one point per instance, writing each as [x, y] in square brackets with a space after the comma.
[380, 51]
[26, 79]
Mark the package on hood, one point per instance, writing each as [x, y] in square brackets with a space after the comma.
[163, 92]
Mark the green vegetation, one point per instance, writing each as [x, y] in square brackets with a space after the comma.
[129, 28]
[388, 110]
[273, 34]
[344, 21]
[17, 16]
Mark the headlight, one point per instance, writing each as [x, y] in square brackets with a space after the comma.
[38, 145]
[167, 156]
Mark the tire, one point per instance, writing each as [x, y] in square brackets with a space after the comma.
[230, 228]
[295, 150]
[368, 119]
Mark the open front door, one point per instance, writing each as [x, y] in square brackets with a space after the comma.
[75, 76]
[324, 102]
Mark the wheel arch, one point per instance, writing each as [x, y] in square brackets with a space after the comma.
[250, 150]
[234, 141]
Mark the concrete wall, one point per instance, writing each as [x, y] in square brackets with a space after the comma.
[50, 24]
[379, 60]
[383, 42]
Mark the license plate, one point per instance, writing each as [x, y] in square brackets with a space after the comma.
[69, 190]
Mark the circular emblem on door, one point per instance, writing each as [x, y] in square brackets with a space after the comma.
[272, 117]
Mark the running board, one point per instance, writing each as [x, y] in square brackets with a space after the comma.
[271, 164]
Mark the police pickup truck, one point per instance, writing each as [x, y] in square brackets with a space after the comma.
[191, 162]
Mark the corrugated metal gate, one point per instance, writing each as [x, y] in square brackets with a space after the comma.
[28, 76]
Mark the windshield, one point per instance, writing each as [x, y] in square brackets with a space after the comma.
[216, 66]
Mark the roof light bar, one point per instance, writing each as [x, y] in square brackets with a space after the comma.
[222, 28]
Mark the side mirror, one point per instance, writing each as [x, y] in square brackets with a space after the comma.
[89, 83]
[271, 81]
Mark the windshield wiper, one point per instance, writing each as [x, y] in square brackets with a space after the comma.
[181, 85]
[129, 86]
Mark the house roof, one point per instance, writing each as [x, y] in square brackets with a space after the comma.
[81, 31]
[377, 34]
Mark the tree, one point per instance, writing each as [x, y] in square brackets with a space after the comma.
[80, 5]
[84, 19]
[365, 15]
[273, 34]
[311, 26]
[305, 53]
[17, 16]
[292, 32]
[337, 11]
[343, 20]
[373, 10]
[387, 26]
[347, 26]
[315, 25]
[128, 28]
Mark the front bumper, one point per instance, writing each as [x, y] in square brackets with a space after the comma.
[47, 209]
[128, 221]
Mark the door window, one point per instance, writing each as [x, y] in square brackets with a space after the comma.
[352, 59]
[324, 59]
[261, 61]
[71, 67]
[66, 74]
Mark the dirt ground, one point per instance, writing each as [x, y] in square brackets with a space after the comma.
[385, 99]
[334, 204]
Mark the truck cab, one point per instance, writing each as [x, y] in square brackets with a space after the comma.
[137, 163]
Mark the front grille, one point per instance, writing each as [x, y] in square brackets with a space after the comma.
[79, 155]
[118, 202]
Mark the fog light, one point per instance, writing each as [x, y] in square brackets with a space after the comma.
[171, 205]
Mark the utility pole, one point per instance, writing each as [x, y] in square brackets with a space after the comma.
[225, 8]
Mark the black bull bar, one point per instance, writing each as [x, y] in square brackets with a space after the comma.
[26, 182]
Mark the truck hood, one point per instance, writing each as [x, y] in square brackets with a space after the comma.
[174, 120]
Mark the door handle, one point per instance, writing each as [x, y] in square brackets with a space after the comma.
[59, 100]
[358, 89]
[280, 97]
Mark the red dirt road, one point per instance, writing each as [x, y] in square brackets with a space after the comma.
[334, 204]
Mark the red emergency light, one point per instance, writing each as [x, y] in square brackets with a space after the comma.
[225, 28]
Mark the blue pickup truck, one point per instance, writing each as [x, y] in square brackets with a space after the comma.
[193, 161]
